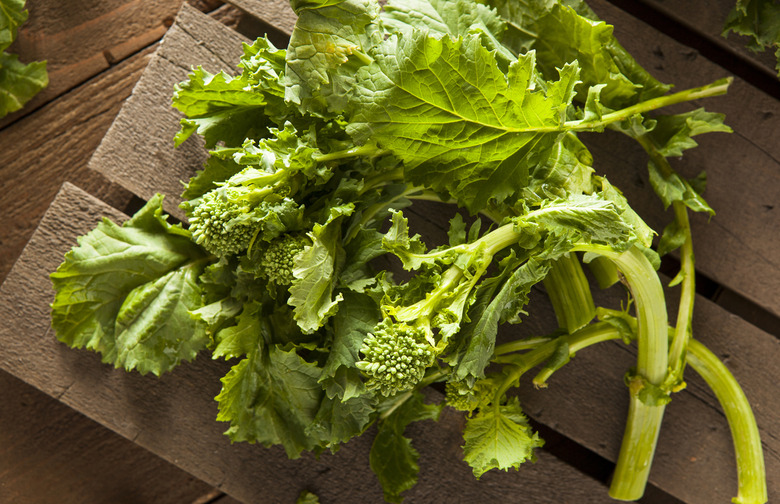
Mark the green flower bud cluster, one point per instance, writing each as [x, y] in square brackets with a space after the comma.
[278, 260]
[396, 356]
[462, 397]
[220, 222]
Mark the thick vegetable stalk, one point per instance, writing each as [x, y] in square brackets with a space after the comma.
[742, 422]
[647, 404]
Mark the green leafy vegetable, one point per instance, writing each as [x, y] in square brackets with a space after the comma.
[296, 222]
[759, 20]
[19, 82]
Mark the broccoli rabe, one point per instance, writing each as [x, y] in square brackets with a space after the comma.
[278, 260]
[252, 203]
[396, 356]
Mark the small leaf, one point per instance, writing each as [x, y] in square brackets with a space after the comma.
[499, 437]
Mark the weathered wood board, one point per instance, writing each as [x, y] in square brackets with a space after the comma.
[51, 453]
[54, 144]
[708, 17]
[80, 39]
[128, 152]
[174, 416]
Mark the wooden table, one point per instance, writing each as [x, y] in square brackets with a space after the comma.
[170, 449]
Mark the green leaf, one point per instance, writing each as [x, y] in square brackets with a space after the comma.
[562, 34]
[393, 458]
[498, 437]
[154, 329]
[760, 20]
[315, 273]
[327, 45]
[126, 292]
[451, 17]
[583, 217]
[477, 339]
[356, 318]
[338, 421]
[219, 108]
[673, 134]
[19, 82]
[672, 238]
[241, 339]
[12, 15]
[271, 397]
[460, 124]
[671, 187]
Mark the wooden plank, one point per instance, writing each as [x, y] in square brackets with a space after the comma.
[165, 415]
[54, 144]
[740, 246]
[79, 40]
[139, 145]
[51, 453]
[708, 18]
[278, 11]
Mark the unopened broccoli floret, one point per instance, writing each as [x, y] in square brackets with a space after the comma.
[396, 356]
[223, 222]
[464, 398]
[277, 261]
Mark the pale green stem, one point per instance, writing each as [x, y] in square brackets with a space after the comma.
[744, 430]
[644, 421]
[569, 292]
[716, 88]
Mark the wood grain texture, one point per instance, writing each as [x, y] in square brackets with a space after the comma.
[174, 416]
[79, 39]
[139, 145]
[276, 13]
[70, 459]
[708, 18]
[740, 246]
[42, 150]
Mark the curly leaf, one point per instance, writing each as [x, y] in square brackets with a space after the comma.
[271, 397]
[460, 124]
[126, 292]
[499, 437]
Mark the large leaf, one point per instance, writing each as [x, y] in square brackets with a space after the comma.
[126, 292]
[460, 125]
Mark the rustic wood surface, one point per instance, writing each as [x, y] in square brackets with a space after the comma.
[707, 17]
[174, 416]
[80, 39]
[73, 460]
[695, 459]
[143, 131]
[49, 452]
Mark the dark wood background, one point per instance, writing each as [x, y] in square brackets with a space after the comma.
[50, 451]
